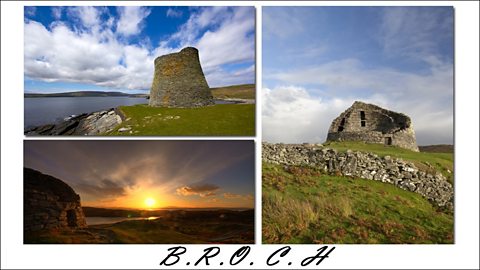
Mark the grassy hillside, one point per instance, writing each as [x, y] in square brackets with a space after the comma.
[221, 119]
[302, 205]
[243, 91]
[429, 162]
[437, 148]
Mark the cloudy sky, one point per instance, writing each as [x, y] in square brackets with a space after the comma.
[113, 48]
[318, 60]
[173, 173]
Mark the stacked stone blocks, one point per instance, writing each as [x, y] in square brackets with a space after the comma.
[179, 81]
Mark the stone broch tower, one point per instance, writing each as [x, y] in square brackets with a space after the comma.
[372, 124]
[49, 203]
[179, 81]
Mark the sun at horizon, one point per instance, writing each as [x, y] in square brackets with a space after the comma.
[149, 202]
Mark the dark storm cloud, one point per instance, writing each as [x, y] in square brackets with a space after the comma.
[105, 188]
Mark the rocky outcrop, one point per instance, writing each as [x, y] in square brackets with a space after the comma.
[49, 203]
[85, 124]
[372, 124]
[179, 81]
[402, 174]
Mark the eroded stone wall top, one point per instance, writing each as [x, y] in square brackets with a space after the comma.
[373, 124]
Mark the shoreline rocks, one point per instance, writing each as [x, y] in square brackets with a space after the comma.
[93, 123]
[402, 174]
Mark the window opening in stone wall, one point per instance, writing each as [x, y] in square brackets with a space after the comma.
[342, 123]
[71, 218]
[362, 115]
[388, 140]
[362, 123]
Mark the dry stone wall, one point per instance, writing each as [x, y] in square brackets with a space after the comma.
[179, 81]
[386, 169]
[49, 203]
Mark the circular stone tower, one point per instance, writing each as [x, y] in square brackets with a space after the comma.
[179, 81]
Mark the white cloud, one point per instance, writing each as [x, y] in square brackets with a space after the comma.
[403, 63]
[173, 13]
[99, 54]
[235, 196]
[283, 23]
[291, 115]
[30, 11]
[427, 99]
[89, 16]
[232, 42]
[414, 32]
[63, 55]
[57, 12]
[230, 39]
[204, 190]
[218, 76]
[130, 20]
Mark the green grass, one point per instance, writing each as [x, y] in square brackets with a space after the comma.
[302, 205]
[221, 119]
[429, 162]
[243, 91]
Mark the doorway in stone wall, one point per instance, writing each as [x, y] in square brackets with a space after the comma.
[71, 218]
[388, 140]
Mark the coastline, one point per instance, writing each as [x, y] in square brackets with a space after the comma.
[98, 122]
[84, 124]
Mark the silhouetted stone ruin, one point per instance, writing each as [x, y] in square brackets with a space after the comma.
[49, 203]
[179, 81]
[372, 124]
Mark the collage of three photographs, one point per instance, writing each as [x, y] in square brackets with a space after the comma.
[355, 105]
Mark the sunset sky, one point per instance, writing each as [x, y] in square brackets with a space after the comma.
[150, 174]
[89, 48]
[318, 60]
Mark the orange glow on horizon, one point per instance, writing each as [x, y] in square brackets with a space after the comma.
[153, 198]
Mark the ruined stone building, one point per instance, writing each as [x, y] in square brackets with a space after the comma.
[49, 203]
[179, 81]
[372, 124]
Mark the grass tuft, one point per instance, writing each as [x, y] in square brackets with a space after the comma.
[337, 209]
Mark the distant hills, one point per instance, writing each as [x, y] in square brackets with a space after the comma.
[105, 212]
[438, 148]
[242, 91]
[85, 94]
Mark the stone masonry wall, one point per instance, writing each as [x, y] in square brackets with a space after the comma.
[49, 203]
[402, 174]
[179, 81]
[372, 124]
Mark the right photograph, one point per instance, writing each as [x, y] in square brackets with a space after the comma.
[358, 125]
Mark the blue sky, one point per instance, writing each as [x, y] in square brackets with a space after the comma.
[113, 48]
[318, 60]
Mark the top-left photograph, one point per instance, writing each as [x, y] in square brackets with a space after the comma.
[139, 71]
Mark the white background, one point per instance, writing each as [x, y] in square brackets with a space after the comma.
[462, 254]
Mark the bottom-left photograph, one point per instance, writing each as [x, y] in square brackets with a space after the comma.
[138, 192]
